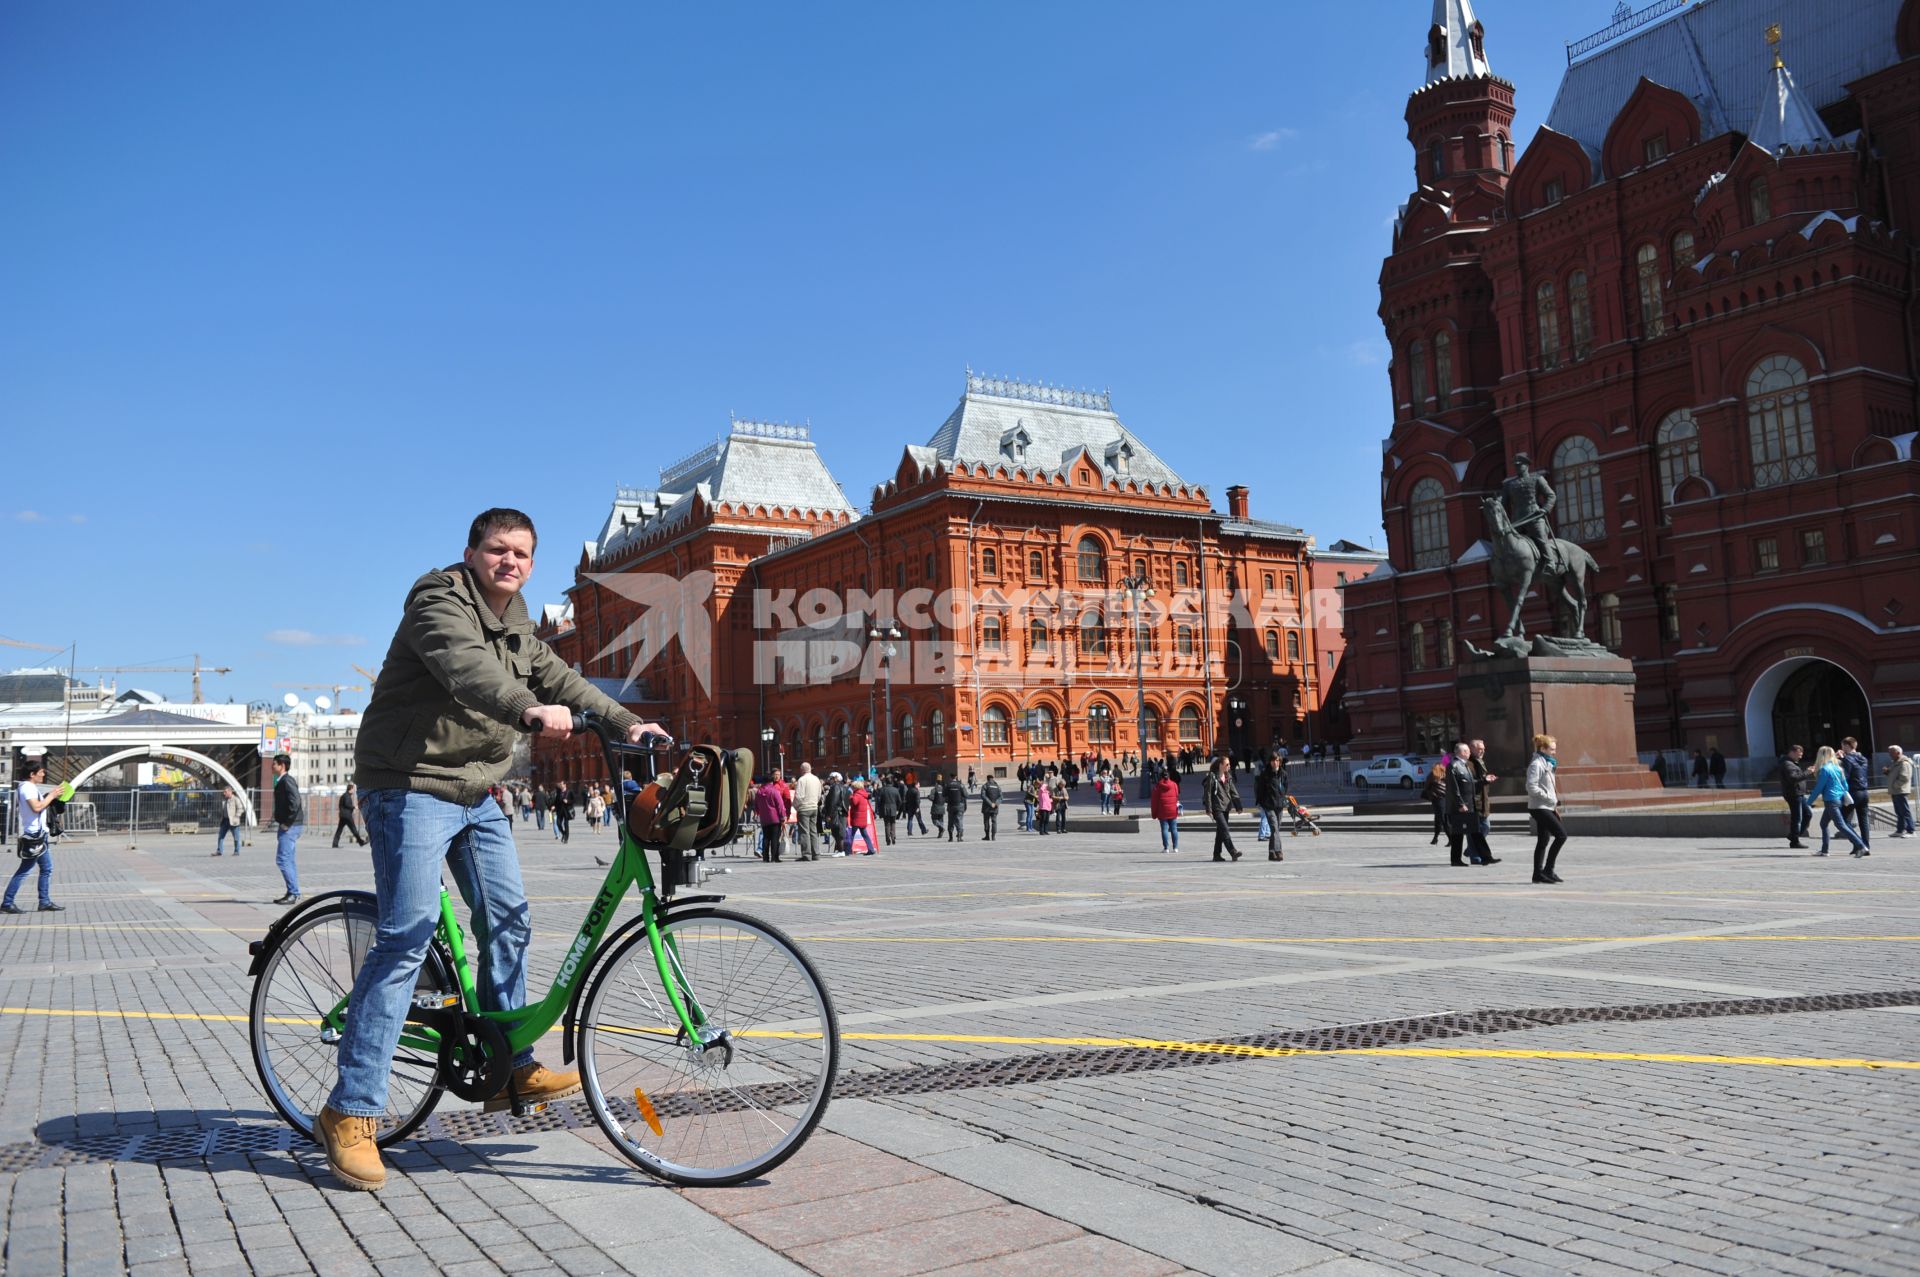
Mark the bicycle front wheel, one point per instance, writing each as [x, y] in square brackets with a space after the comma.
[743, 1098]
[295, 1046]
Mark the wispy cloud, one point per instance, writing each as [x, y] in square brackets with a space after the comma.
[1368, 352]
[31, 516]
[1271, 139]
[76, 518]
[307, 638]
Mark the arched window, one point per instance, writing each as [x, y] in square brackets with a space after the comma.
[1682, 250]
[1099, 725]
[1183, 639]
[1036, 565]
[1436, 159]
[1653, 309]
[1576, 482]
[1036, 635]
[1189, 724]
[843, 738]
[1416, 646]
[795, 751]
[1180, 572]
[1273, 645]
[1610, 635]
[1670, 612]
[1140, 568]
[819, 740]
[929, 568]
[1417, 375]
[1151, 726]
[989, 562]
[1429, 520]
[1759, 201]
[1093, 633]
[1779, 422]
[1547, 322]
[1293, 646]
[936, 729]
[1443, 365]
[990, 632]
[907, 737]
[993, 726]
[1506, 152]
[1579, 314]
[1040, 725]
[1677, 446]
[1093, 559]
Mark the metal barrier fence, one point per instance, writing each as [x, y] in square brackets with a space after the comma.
[159, 809]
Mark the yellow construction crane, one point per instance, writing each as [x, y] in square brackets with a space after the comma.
[196, 669]
[371, 676]
[34, 647]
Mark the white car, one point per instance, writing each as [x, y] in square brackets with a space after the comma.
[1404, 770]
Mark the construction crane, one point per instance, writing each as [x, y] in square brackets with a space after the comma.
[335, 688]
[371, 676]
[196, 669]
[38, 647]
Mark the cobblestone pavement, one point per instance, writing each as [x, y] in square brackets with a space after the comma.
[1152, 1064]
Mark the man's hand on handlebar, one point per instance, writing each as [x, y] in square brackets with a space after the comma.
[641, 733]
[549, 722]
[638, 733]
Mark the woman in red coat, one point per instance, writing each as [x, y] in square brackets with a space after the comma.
[860, 819]
[1165, 806]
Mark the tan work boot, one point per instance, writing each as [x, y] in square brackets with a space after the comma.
[536, 1084]
[352, 1154]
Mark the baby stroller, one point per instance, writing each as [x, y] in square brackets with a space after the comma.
[1301, 816]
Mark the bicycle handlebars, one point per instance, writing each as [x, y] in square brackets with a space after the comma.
[585, 720]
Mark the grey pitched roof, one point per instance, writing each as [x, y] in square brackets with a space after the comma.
[148, 718]
[1015, 423]
[753, 464]
[32, 689]
[1715, 52]
[1457, 55]
[1787, 121]
[1260, 528]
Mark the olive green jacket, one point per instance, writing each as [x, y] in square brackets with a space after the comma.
[457, 679]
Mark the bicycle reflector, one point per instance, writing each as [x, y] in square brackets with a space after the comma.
[647, 1111]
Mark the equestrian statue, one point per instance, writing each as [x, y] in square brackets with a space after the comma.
[1523, 550]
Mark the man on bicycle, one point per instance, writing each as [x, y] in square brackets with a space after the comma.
[464, 676]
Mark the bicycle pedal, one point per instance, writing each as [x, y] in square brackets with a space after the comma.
[530, 1110]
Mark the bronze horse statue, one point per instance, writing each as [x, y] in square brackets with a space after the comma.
[1515, 563]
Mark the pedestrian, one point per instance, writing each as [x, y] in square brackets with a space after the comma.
[1026, 798]
[1061, 795]
[835, 802]
[956, 809]
[939, 804]
[1435, 792]
[1481, 826]
[860, 819]
[990, 809]
[1900, 790]
[1701, 770]
[888, 803]
[349, 817]
[233, 818]
[1717, 767]
[596, 808]
[289, 818]
[1793, 787]
[1221, 797]
[1164, 804]
[806, 808]
[1267, 794]
[970, 785]
[1042, 805]
[770, 809]
[1460, 797]
[1543, 804]
[910, 803]
[563, 813]
[541, 801]
[34, 848]
[1859, 773]
[465, 678]
[1830, 787]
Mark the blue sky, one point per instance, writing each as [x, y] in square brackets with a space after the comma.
[294, 290]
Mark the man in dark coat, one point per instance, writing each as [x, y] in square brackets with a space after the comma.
[956, 808]
[887, 805]
[1793, 788]
[1271, 798]
[1462, 790]
[1859, 776]
[1717, 768]
[990, 809]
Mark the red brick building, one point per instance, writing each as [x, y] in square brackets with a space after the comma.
[1006, 554]
[1691, 299]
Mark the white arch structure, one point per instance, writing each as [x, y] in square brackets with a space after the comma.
[1766, 689]
[173, 751]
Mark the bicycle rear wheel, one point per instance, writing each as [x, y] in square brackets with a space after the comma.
[743, 1101]
[308, 974]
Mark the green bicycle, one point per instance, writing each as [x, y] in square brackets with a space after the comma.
[706, 1042]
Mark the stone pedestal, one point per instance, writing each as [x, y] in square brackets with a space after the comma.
[1585, 703]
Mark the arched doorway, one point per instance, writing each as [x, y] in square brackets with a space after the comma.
[1806, 701]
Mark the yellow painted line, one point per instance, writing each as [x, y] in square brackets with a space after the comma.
[1665, 939]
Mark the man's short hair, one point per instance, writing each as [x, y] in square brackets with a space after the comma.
[1850, 742]
[284, 760]
[498, 519]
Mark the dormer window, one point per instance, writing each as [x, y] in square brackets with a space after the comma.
[1120, 457]
[1552, 193]
[1437, 46]
[1654, 149]
[1014, 444]
[1759, 201]
[1477, 38]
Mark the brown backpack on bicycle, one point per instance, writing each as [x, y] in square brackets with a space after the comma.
[700, 805]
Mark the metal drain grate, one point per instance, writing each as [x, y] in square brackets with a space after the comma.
[922, 1079]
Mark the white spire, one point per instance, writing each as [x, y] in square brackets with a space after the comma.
[1786, 120]
[1454, 44]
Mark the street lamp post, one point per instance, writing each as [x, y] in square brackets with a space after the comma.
[891, 634]
[767, 735]
[1136, 590]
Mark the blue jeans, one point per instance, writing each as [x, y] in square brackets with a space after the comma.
[1170, 832]
[285, 857]
[1902, 814]
[45, 862]
[220, 839]
[1799, 816]
[411, 835]
[1862, 815]
[1835, 814]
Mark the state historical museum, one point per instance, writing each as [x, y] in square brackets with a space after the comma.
[1691, 300]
